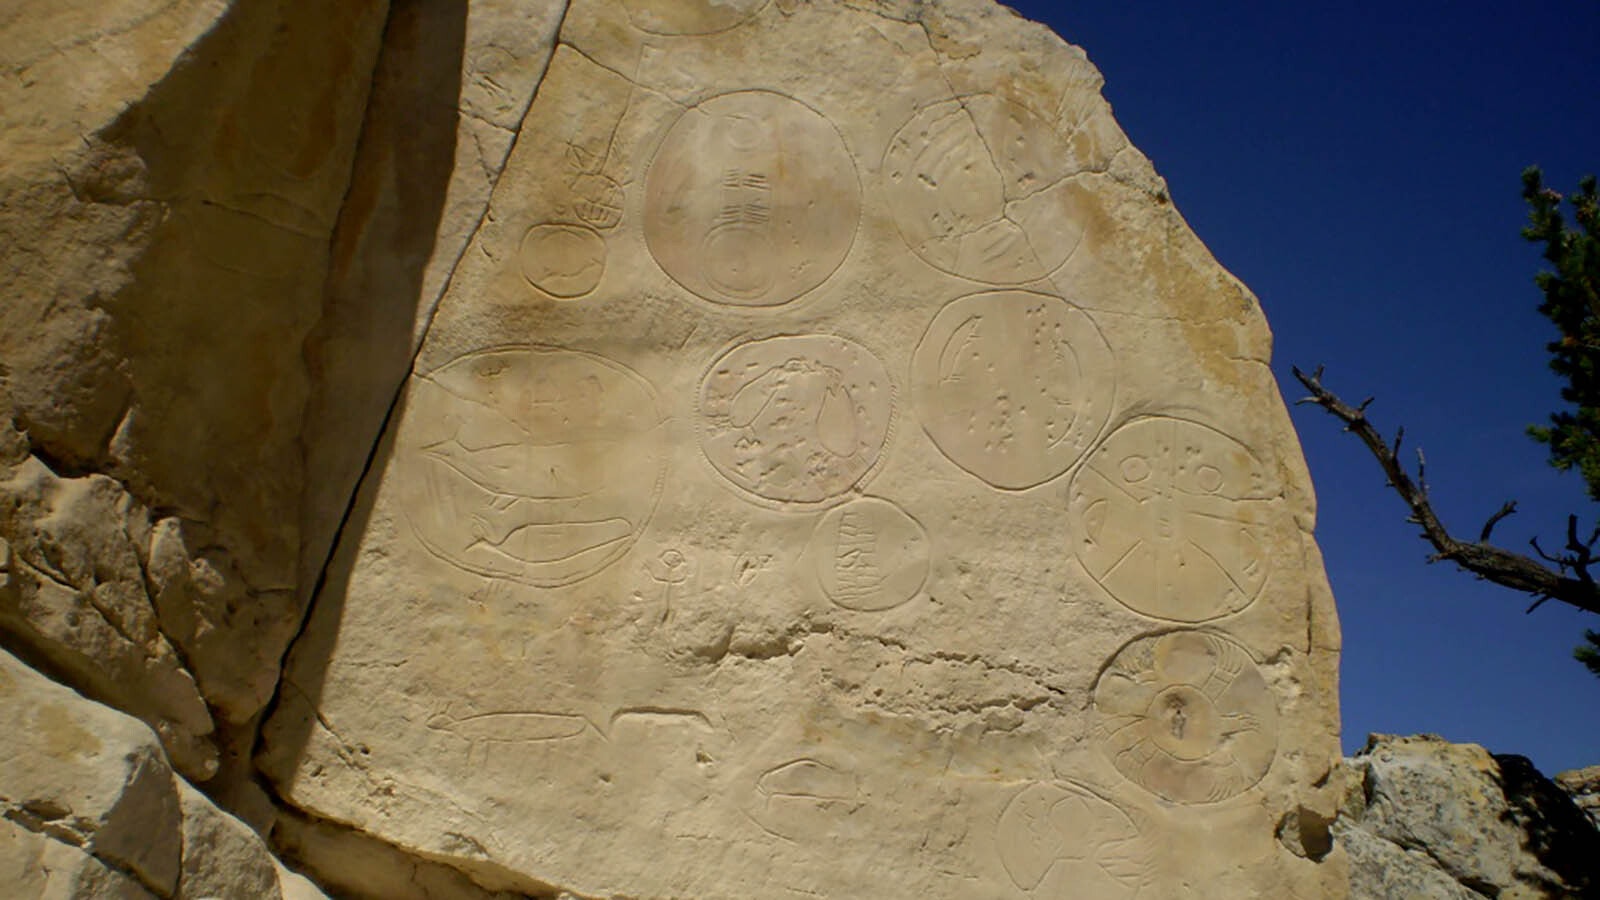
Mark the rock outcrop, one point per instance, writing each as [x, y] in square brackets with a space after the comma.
[1428, 818]
[710, 448]
[90, 808]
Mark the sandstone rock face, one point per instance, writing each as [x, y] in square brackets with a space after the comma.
[694, 448]
[91, 809]
[829, 467]
[1583, 785]
[173, 173]
[1428, 818]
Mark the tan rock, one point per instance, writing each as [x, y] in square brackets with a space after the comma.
[173, 173]
[832, 467]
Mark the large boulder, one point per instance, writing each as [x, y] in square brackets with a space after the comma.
[1428, 818]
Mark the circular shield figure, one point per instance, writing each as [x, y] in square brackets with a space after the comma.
[1012, 386]
[536, 464]
[979, 188]
[869, 555]
[1187, 716]
[796, 419]
[564, 261]
[751, 200]
[1171, 518]
[1064, 840]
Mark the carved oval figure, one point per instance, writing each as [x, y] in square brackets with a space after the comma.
[1187, 716]
[1012, 386]
[691, 16]
[796, 419]
[536, 464]
[752, 200]
[564, 261]
[869, 555]
[978, 186]
[1064, 840]
[1171, 518]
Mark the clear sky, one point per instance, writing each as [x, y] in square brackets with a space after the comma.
[1357, 165]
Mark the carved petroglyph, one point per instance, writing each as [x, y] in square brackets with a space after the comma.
[1064, 840]
[869, 555]
[669, 570]
[752, 200]
[1187, 716]
[481, 730]
[1172, 517]
[977, 189]
[564, 261]
[796, 419]
[1012, 386]
[802, 797]
[692, 17]
[537, 464]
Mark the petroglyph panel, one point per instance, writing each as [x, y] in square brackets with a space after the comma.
[796, 419]
[1172, 519]
[564, 261]
[537, 464]
[1187, 716]
[752, 200]
[869, 555]
[651, 590]
[978, 189]
[1064, 840]
[689, 17]
[1012, 386]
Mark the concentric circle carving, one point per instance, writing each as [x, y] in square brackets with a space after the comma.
[796, 419]
[752, 200]
[1187, 716]
[1171, 518]
[1012, 386]
[978, 189]
[540, 465]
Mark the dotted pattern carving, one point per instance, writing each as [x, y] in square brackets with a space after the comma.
[1012, 386]
[796, 419]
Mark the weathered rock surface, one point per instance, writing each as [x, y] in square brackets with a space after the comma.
[173, 173]
[91, 808]
[1428, 818]
[728, 448]
[1583, 785]
[828, 466]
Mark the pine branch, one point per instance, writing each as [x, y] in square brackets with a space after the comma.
[1512, 570]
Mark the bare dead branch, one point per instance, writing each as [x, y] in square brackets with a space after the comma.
[1506, 509]
[1503, 567]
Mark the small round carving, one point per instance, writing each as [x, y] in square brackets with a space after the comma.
[564, 261]
[796, 419]
[869, 555]
[978, 189]
[691, 16]
[1012, 386]
[1171, 517]
[537, 464]
[1064, 840]
[752, 200]
[1187, 716]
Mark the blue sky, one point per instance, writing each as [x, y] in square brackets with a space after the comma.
[1357, 165]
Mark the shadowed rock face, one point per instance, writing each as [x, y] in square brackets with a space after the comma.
[713, 449]
[1425, 817]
